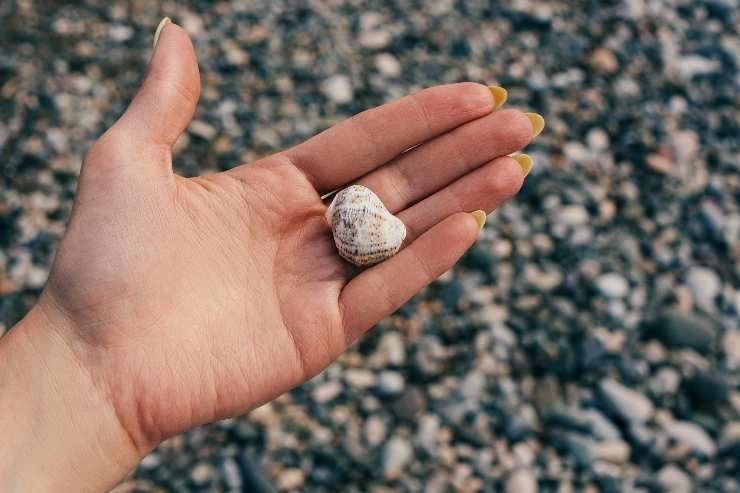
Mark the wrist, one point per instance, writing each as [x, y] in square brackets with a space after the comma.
[60, 431]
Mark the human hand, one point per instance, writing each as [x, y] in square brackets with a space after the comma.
[182, 301]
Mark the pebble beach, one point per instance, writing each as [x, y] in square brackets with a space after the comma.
[588, 342]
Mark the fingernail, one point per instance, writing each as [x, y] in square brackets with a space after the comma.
[525, 161]
[499, 96]
[161, 25]
[538, 123]
[480, 218]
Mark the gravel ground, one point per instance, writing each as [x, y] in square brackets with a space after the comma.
[590, 341]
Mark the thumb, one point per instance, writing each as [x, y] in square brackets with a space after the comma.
[166, 101]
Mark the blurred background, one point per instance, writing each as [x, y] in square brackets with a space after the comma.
[589, 341]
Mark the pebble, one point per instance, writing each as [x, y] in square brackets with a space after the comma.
[625, 402]
[692, 435]
[729, 438]
[707, 390]
[731, 348]
[290, 479]
[427, 434]
[674, 480]
[705, 285]
[612, 285]
[603, 60]
[396, 456]
[326, 391]
[338, 88]
[375, 430]
[231, 474]
[393, 347]
[359, 378]
[409, 404]
[390, 383]
[572, 215]
[521, 480]
[388, 65]
[684, 330]
[202, 129]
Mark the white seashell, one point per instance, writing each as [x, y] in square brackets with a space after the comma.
[365, 233]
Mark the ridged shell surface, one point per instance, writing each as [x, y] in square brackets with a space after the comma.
[365, 233]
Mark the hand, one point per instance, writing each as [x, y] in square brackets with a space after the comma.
[183, 301]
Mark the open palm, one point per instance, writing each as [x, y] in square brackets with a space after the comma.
[189, 300]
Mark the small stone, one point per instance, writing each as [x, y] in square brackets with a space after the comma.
[673, 480]
[375, 430]
[290, 479]
[659, 163]
[120, 33]
[603, 60]
[690, 66]
[359, 378]
[327, 391]
[201, 473]
[678, 329]
[729, 438]
[472, 385]
[427, 434]
[730, 346]
[625, 402]
[597, 140]
[409, 404]
[705, 285]
[666, 381]
[707, 390]
[231, 475]
[202, 129]
[612, 285]
[390, 383]
[521, 480]
[392, 346]
[375, 39]
[338, 88]
[396, 456]
[573, 215]
[388, 65]
[614, 451]
[692, 435]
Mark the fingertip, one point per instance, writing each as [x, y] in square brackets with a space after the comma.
[517, 125]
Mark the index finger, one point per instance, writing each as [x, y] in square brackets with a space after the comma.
[370, 139]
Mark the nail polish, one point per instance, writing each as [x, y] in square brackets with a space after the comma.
[525, 161]
[538, 123]
[500, 95]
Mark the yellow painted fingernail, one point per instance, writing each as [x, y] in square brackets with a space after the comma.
[480, 218]
[525, 161]
[161, 25]
[538, 123]
[499, 96]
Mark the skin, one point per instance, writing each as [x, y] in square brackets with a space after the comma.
[173, 302]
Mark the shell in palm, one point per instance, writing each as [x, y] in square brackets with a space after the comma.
[365, 233]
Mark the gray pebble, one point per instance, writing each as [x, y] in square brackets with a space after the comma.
[625, 402]
[692, 435]
[390, 383]
[674, 480]
[396, 456]
[521, 480]
[612, 285]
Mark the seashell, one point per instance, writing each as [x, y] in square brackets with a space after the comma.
[365, 233]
